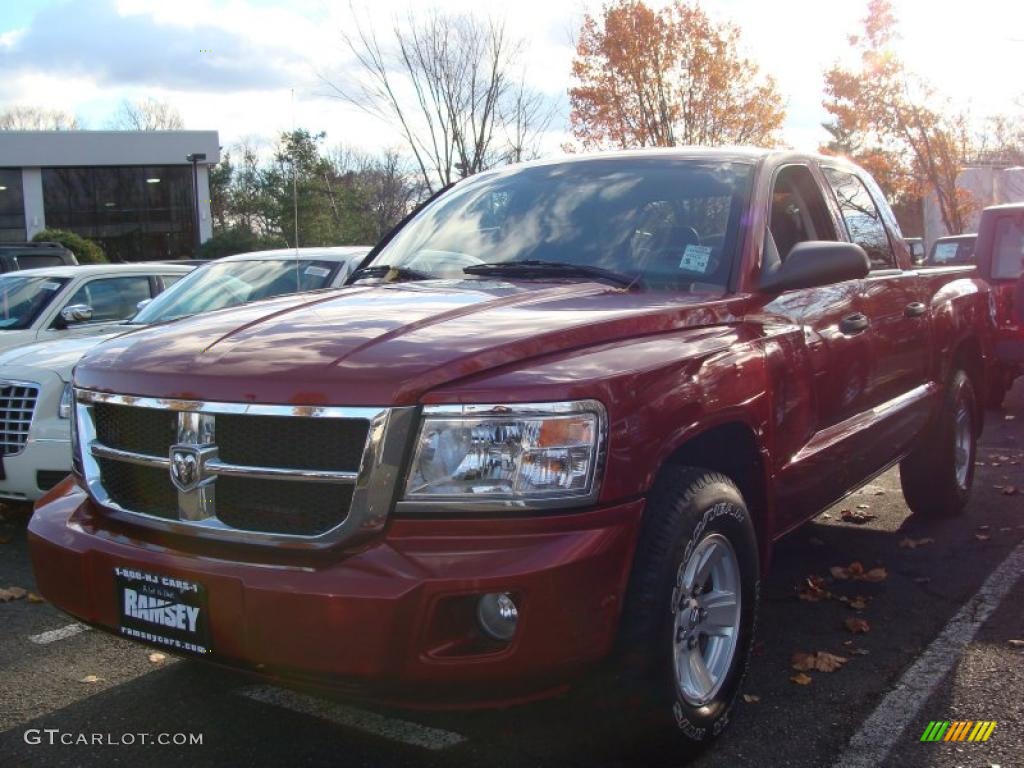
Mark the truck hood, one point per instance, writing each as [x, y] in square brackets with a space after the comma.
[379, 345]
[58, 356]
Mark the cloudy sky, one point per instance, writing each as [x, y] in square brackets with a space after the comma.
[233, 65]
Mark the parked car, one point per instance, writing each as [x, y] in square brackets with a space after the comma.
[560, 419]
[916, 246]
[60, 302]
[15, 256]
[35, 390]
[1000, 256]
[952, 250]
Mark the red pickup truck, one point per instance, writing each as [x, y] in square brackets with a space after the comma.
[552, 428]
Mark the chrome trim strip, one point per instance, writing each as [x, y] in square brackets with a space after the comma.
[218, 467]
[462, 505]
[375, 482]
[241, 409]
[101, 451]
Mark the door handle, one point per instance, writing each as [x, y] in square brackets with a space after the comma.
[855, 323]
[915, 309]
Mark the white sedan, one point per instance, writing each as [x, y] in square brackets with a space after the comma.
[35, 389]
[52, 303]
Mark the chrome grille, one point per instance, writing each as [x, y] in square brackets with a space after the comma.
[299, 476]
[17, 404]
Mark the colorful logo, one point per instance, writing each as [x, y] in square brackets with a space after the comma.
[958, 730]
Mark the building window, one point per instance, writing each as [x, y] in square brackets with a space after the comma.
[136, 213]
[12, 206]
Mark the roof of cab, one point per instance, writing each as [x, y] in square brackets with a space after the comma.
[90, 270]
[339, 253]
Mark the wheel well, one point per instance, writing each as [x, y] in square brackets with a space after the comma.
[968, 357]
[733, 450]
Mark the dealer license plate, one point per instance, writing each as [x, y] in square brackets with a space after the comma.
[162, 610]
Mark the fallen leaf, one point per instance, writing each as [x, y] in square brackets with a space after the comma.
[984, 527]
[875, 575]
[982, 536]
[91, 679]
[857, 517]
[1009, 417]
[863, 506]
[858, 603]
[32, 597]
[11, 593]
[157, 658]
[857, 625]
[751, 698]
[813, 590]
[822, 661]
[861, 651]
[1005, 529]
[1010, 490]
[801, 679]
[909, 543]
[1017, 643]
[880, 492]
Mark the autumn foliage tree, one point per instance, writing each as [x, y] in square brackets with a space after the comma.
[666, 78]
[889, 119]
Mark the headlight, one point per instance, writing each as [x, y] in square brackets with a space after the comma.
[497, 456]
[67, 400]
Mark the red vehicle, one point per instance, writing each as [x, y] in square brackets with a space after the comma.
[559, 419]
[1000, 255]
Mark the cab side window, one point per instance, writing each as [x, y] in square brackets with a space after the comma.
[112, 298]
[862, 218]
[798, 211]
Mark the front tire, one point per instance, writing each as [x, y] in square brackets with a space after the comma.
[938, 474]
[688, 624]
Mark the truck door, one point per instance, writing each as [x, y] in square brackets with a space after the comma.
[895, 303]
[812, 464]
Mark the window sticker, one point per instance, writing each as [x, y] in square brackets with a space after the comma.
[696, 258]
[49, 286]
[317, 271]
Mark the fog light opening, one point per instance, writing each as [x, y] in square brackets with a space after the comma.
[498, 615]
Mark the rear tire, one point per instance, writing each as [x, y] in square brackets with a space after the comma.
[688, 623]
[938, 474]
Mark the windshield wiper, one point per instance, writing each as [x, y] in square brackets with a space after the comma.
[538, 268]
[396, 274]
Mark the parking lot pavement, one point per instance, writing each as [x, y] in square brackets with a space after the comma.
[937, 648]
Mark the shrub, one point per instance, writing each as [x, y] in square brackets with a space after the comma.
[85, 250]
[237, 239]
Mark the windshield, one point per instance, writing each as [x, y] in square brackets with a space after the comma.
[674, 221]
[227, 284]
[1008, 251]
[959, 251]
[23, 299]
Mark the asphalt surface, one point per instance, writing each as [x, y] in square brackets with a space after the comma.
[785, 725]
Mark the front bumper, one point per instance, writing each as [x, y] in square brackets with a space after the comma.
[393, 621]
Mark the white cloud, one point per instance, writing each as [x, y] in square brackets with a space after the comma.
[85, 56]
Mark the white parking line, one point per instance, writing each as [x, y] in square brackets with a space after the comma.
[351, 717]
[45, 638]
[871, 745]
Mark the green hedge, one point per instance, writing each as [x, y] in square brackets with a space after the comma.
[238, 240]
[86, 251]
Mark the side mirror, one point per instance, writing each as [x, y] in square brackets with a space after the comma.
[76, 313]
[141, 304]
[817, 262]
